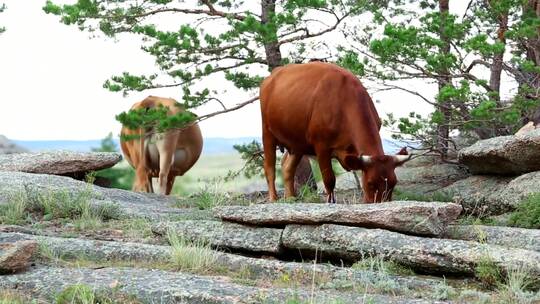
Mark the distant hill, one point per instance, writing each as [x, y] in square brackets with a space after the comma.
[213, 145]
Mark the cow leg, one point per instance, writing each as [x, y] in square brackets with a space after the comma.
[269, 147]
[324, 158]
[150, 185]
[166, 148]
[289, 169]
[170, 183]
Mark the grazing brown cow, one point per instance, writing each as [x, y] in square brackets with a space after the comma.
[321, 109]
[164, 155]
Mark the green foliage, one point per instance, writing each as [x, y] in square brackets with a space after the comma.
[186, 54]
[414, 40]
[107, 144]
[527, 214]
[252, 154]
[157, 119]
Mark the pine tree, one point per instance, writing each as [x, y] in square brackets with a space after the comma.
[423, 40]
[214, 41]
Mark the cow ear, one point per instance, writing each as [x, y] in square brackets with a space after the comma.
[353, 162]
[401, 159]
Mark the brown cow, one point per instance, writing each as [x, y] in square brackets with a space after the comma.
[321, 109]
[164, 155]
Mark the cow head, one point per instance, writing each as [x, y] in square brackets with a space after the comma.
[378, 177]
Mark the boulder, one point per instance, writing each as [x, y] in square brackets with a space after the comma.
[74, 164]
[423, 218]
[425, 180]
[225, 235]
[16, 256]
[504, 236]
[479, 194]
[504, 155]
[7, 147]
[424, 254]
[484, 195]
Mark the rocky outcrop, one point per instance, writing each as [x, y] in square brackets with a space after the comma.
[129, 203]
[425, 254]
[484, 195]
[504, 236]
[16, 256]
[101, 251]
[7, 147]
[157, 286]
[225, 235]
[504, 155]
[74, 164]
[404, 216]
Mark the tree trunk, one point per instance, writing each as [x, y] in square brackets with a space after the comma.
[531, 48]
[443, 130]
[304, 174]
[271, 48]
[497, 63]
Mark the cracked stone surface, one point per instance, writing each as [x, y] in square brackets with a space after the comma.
[422, 218]
[426, 254]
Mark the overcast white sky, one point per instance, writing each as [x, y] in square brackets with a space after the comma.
[51, 78]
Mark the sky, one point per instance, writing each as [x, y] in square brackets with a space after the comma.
[52, 75]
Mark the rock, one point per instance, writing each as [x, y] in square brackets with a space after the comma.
[157, 286]
[405, 216]
[504, 236]
[129, 203]
[74, 164]
[479, 194]
[225, 235]
[424, 254]
[504, 155]
[425, 180]
[16, 256]
[7, 147]
[484, 195]
[264, 269]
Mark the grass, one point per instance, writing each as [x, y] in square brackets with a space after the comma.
[24, 206]
[209, 196]
[527, 214]
[516, 288]
[84, 294]
[13, 297]
[399, 195]
[444, 292]
[14, 212]
[193, 256]
[377, 264]
[208, 167]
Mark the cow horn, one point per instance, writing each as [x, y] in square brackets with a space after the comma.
[399, 159]
[366, 159]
